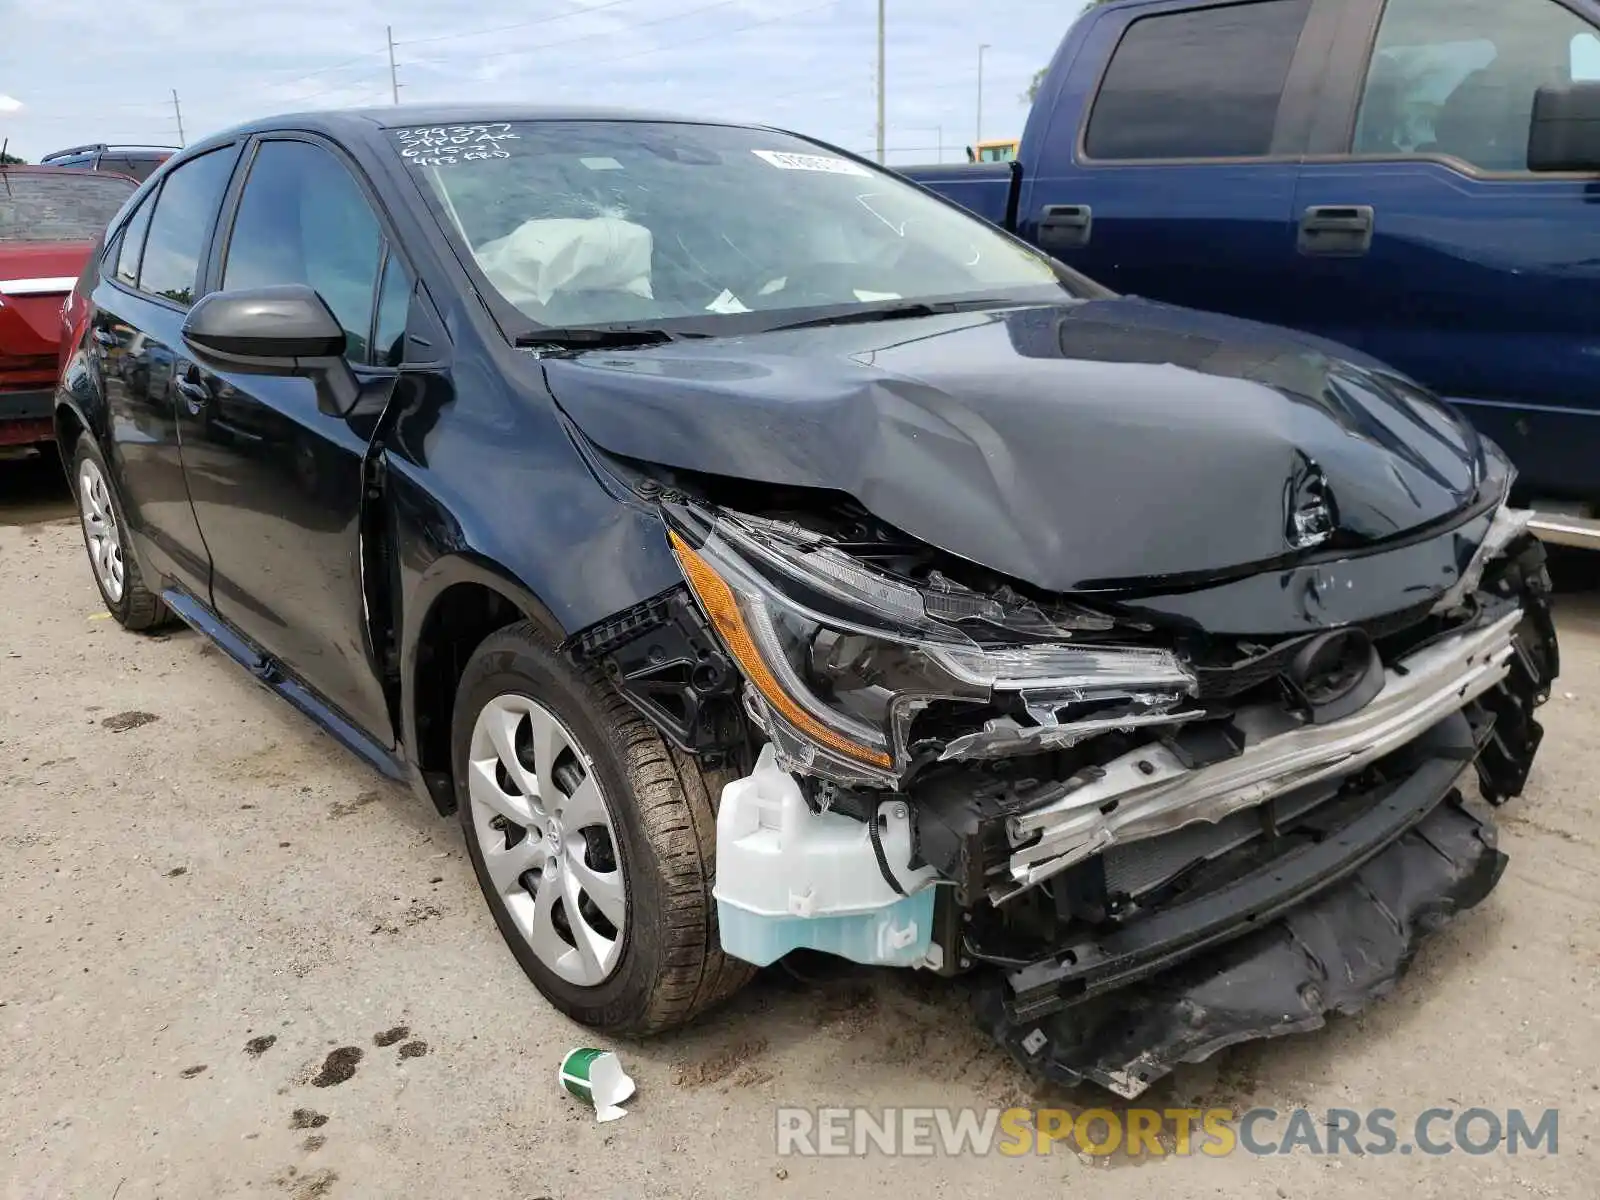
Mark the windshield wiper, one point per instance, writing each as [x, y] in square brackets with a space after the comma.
[896, 312]
[596, 337]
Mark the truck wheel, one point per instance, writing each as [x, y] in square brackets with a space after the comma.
[593, 840]
[105, 537]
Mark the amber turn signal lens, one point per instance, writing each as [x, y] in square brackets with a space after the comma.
[718, 600]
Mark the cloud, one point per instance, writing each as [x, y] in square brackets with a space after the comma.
[9, 104]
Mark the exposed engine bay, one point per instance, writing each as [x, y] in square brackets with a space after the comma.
[948, 769]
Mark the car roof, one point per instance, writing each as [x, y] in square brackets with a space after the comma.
[54, 169]
[128, 150]
[362, 123]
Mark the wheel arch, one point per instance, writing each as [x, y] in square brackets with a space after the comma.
[70, 425]
[459, 602]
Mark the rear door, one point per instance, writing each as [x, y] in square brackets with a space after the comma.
[1473, 274]
[277, 484]
[1171, 172]
[148, 282]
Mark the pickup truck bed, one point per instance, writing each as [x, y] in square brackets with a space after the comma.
[986, 189]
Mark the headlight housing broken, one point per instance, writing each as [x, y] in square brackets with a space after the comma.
[840, 657]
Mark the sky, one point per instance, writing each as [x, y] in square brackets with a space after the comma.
[74, 71]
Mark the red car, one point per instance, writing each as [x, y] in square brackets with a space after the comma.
[50, 220]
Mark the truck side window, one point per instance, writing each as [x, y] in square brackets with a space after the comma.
[1457, 77]
[1199, 84]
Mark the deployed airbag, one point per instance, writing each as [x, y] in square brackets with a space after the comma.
[539, 258]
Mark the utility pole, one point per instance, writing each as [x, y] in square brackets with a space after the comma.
[981, 49]
[940, 130]
[177, 111]
[394, 82]
[881, 84]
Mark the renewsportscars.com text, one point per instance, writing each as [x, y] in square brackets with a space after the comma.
[1158, 1132]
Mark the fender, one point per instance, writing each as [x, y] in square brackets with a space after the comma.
[421, 598]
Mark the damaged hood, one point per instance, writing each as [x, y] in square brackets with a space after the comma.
[1076, 446]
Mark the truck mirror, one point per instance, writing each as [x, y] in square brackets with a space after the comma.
[1564, 133]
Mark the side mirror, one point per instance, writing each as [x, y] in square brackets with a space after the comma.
[283, 330]
[1564, 134]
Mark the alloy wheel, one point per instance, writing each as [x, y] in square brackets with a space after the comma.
[100, 530]
[548, 841]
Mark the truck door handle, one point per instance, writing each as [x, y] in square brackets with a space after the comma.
[1065, 226]
[1336, 230]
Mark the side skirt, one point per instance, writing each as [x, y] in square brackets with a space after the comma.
[269, 672]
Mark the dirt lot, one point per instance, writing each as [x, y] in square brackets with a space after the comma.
[206, 899]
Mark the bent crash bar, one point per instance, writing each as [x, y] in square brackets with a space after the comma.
[1154, 793]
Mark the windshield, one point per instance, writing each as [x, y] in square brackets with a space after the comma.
[580, 223]
[66, 206]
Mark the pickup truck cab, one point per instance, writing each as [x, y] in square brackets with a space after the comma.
[1402, 176]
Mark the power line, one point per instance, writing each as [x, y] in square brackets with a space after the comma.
[719, 33]
[364, 84]
[577, 12]
[589, 37]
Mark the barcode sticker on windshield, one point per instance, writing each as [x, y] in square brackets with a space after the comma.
[785, 161]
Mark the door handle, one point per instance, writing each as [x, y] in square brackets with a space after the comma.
[194, 392]
[1336, 230]
[1065, 226]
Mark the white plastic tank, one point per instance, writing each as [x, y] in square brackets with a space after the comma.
[789, 878]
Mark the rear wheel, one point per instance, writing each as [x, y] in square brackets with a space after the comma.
[105, 536]
[592, 839]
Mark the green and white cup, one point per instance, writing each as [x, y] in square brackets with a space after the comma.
[596, 1077]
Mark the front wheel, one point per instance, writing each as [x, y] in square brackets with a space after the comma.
[592, 839]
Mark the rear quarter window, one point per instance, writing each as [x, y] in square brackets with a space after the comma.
[58, 207]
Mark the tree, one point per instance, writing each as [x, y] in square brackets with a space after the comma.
[1038, 76]
[7, 160]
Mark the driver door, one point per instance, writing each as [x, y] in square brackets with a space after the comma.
[277, 485]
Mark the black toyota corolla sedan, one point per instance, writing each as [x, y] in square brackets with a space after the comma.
[759, 552]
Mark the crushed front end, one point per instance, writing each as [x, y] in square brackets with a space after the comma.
[1156, 820]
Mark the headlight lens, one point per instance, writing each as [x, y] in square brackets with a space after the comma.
[840, 657]
[742, 618]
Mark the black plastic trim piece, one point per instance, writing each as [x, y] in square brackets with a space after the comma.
[1146, 946]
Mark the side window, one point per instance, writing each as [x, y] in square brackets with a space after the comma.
[1457, 77]
[303, 219]
[181, 224]
[389, 322]
[133, 243]
[1199, 84]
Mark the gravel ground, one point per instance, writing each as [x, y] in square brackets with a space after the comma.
[238, 963]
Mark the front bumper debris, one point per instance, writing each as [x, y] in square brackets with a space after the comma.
[1335, 952]
[1150, 791]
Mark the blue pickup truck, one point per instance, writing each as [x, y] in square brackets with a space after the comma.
[1416, 178]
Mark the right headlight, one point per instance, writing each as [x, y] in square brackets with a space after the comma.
[840, 657]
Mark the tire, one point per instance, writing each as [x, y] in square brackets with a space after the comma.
[127, 599]
[668, 962]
